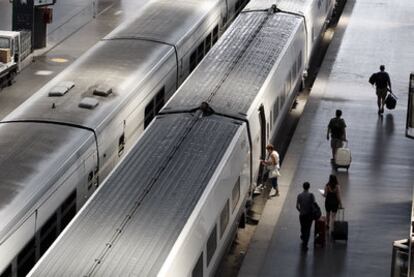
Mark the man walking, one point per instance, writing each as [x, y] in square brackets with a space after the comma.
[336, 128]
[304, 205]
[382, 83]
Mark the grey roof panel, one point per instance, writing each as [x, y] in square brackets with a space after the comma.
[247, 53]
[25, 163]
[149, 197]
[123, 65]
[165, 21]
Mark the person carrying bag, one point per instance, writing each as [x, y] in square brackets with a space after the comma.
[272, 166]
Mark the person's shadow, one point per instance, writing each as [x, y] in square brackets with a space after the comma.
[389, 124]
[382, 134]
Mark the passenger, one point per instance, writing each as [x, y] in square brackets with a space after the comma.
[336, 128]
[382, 82]
[304, 204]
[332, 199]
[272, 166]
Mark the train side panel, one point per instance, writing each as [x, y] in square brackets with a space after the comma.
[212, 224]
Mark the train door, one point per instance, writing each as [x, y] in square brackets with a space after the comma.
[262, 120]
[90, 181]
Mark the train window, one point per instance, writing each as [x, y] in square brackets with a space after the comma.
[208, 43]
[121, 144]
[7, 272]
[275, 109]
[312, 34]
[211, 244]
[215, 34]
[287, 85]
[268, 130]
[235, 194]
[154, 106]
[224, 218]
[149, 113]
[200, 52]
[237, 6]
[26, 258]
[299, 61]
[159, 100]
[271, 121]
[90, 179]
[198, 269]
[69, 202]
[48, 233]
[68, 210]
[193, 60]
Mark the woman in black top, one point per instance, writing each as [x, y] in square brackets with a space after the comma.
[332, 199]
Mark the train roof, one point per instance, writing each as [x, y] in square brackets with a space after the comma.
[25, 163]
[132, 222]
[123, 62]
[123, 66]
[175, 19]
[233, 73]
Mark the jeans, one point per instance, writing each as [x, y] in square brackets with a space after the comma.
[273, 181]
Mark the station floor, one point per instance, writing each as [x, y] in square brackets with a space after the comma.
[77, 26]
[377, 191]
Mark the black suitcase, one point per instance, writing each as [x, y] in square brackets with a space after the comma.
[390, 101]
[340, 228]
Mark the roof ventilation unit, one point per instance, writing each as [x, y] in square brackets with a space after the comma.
[88, 103]
[61, 89]
[102, 91]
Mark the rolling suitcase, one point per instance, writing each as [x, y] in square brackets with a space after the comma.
[340, 228]
[320, 231]
[343, 157]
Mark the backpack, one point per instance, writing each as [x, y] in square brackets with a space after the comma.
[371, 79]
[316, 211]
[337, 128]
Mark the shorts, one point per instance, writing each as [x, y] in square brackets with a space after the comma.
[331, 208]
[382, 93]
[336, 143]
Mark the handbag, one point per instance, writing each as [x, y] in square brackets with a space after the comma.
[274, 172]
[316, 211]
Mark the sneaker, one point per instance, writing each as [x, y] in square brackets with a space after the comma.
[257, 191]
[272, 192]
[260, 186]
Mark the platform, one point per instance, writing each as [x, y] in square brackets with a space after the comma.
[77, 26]
[377, 190]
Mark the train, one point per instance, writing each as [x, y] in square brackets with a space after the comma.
[172, 205]
[59, 145]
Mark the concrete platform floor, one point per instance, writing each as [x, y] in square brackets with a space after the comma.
[377, 190]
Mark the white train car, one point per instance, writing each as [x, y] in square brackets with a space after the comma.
[171, 206]
[58, 146]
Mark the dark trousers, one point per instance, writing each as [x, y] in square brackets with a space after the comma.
[305, 227]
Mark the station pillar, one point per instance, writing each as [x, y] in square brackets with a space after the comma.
[33, 16]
